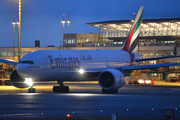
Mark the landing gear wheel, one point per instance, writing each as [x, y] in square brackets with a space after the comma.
[54, 88]
[66, 89]
[110, 91]
[61, 88]
[31, 90]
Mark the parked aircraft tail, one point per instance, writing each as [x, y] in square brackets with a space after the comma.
[132, 38]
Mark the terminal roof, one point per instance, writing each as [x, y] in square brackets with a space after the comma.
[129, 20]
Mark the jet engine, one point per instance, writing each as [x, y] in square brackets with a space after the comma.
[111, 80]
[17, 80]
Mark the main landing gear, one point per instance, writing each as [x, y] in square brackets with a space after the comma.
[31, 90]
[110, 91]
[61, 88]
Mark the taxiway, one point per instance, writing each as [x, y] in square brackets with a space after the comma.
[86, 99]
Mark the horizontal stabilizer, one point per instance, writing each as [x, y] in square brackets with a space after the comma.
[155, 58]
[140, 67]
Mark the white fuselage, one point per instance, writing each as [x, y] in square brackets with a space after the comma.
[64, 65]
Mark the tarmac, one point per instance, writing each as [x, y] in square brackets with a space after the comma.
[86, 99]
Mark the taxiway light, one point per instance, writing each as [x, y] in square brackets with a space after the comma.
[73, 111]
[101, 110]
[176, 108]
[152, 109]
[41, 113]
[127, 109]
[68, 115]
[29, 81]
[81, 71]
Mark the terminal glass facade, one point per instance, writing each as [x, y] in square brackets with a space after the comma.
[10, 53]
[151, 29]
[147, 29]
[156, 52]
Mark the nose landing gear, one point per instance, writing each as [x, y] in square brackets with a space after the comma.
[61, 88]
[31, 90]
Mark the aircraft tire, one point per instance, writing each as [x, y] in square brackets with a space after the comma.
[110, 91]
[66, 89]
[31, 90]
[104, 91]
[115, 91]
[56, 89]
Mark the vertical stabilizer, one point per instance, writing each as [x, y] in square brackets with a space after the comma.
[132, 38]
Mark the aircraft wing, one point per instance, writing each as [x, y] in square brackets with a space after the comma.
[10, 62]
[155, 58]
[138, 67]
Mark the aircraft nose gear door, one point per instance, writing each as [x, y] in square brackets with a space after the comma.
[46, 64]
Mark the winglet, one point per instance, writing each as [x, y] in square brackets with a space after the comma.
[131, 40]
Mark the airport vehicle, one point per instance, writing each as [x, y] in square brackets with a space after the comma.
[141, 82]
[6, 82]
[174, 79]
[108, 67]
[2, 74]
[1, 82]
[145, 82]
[133, 82]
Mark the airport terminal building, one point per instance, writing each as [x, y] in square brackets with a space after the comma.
[158, 37]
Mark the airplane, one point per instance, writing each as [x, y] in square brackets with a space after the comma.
[108, 67]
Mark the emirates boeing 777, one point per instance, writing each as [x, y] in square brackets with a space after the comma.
[108, 67]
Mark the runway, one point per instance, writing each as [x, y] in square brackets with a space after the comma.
[86, 99]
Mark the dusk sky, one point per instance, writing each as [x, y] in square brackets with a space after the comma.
[41, 18]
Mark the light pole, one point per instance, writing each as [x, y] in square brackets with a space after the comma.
[68, 21]
[63, 21]
[19, 40]
[14, 23]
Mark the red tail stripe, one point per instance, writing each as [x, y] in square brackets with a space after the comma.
[126, 47]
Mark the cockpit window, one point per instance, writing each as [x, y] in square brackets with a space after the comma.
[26, 62]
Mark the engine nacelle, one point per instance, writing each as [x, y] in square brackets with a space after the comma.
[17, 80]
[111, 79]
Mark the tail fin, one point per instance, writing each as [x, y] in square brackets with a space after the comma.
[131, 40]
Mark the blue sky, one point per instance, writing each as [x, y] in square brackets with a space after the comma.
[41, 18]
